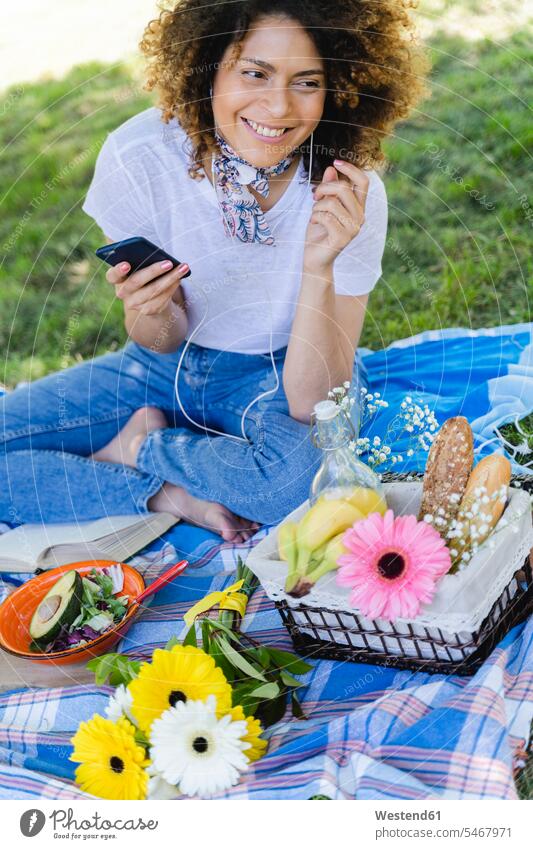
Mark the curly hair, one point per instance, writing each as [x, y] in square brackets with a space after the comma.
[375, 70]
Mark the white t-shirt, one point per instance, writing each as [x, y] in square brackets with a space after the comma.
[141, 188]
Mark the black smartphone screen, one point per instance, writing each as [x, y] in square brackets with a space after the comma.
[138, 251]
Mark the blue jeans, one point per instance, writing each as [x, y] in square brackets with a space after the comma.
[49, 428]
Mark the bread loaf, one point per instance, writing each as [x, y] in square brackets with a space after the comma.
[447, 471]
[482, 505]
[491, 474]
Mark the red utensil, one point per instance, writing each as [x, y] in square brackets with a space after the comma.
[171, 573]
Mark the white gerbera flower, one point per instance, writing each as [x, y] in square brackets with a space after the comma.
[192, 748]
[158, 788]
[119, 704]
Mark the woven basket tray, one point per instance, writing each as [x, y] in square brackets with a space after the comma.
[321, 626]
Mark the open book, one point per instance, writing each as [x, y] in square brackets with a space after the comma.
[29, 547]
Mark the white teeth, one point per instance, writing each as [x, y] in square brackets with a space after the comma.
[264, 131]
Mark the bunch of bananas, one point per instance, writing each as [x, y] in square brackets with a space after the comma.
[312, 546]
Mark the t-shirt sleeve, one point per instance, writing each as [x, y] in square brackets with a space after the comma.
[357, 268]
[116, 200]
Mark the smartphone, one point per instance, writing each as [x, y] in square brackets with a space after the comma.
[138, 251]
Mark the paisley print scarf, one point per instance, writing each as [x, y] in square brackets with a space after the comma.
[241, 212]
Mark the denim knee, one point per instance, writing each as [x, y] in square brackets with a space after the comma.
[285, 477]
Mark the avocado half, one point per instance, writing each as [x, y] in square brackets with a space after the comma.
[60, 606]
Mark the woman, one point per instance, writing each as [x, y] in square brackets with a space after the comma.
[256, 100]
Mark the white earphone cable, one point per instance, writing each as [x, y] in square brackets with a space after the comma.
[242, 438]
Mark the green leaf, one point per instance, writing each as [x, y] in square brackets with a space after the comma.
[205, 635]
[141, 738]
[237, 659]
[92, 665]
[104, 582]
[190, 637]
[102, 669]
[219, 626]
[117, 667]
[263, 656]
[125, 670]
[289, 680]
[270, 711]
[218, 656]
[297, 711]
[265, 691]
[242, 690]
[173, 642]
[290, 662]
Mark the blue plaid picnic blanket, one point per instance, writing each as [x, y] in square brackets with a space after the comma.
[370, 732]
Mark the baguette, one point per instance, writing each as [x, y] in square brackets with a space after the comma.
[489, 480]
[447, 472]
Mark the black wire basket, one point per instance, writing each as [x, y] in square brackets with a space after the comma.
[320, 632]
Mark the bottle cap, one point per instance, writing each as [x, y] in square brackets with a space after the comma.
[326, 410]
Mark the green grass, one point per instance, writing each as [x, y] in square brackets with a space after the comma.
[452, 259]
[523, 438]
[55, 304]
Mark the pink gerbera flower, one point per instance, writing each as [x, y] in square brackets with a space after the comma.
[392, 565]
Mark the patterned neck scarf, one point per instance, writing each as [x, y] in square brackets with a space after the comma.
[241, 212]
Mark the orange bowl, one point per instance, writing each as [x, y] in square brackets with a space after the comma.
[18, 608]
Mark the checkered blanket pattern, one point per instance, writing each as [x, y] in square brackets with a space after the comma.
[370, 732]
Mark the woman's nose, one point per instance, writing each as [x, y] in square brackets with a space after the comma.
[278, 102]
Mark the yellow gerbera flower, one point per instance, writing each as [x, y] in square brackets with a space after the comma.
[177, 675]
[112, 764]
[258, 746]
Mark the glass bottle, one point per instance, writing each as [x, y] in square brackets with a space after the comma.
[341, 471]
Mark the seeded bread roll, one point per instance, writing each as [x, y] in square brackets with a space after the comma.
[447, 471]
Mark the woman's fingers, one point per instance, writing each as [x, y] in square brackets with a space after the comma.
[147, 283]
[336, 233]
[117, 273]
[357, 176]
[163, 287]
[144, 275]
[351, 221]
[343, 190]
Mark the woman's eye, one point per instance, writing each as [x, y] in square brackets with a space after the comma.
[300, 84]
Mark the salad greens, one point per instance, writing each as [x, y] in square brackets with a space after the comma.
[100, 610]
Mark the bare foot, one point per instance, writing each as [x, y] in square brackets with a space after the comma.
[205, 514]
[124, 447]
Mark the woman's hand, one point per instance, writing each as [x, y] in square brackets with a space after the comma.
[148, 291]
[338, 215]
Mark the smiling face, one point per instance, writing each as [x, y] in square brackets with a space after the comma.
[269, 100]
